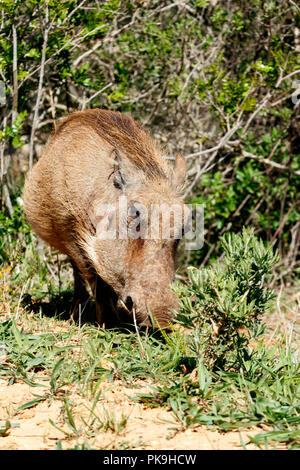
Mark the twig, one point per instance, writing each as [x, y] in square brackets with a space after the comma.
[2, 151]
[67, 18]
[281, 79]
[85, 102]
[52, 106]
[295, 4]
[103, 40]
[75, 41]
[4, 168]
[221, 144]
[253, 115]
[7, 200]
[15, 73]
[215, 150]
[270, 162]
[283, 222]
[39, 93]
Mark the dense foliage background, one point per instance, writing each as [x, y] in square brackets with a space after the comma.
[216, 80]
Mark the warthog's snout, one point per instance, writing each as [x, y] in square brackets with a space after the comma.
[156, 309]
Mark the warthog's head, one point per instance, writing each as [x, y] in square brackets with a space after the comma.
[138, 229]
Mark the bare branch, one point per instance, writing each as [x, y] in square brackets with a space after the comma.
[221, 144]
[15, 73]
[270, 162]
[102, 41]
[2, 152]
[39, 93]
[85, 102]
[74, 41]
[281, 79]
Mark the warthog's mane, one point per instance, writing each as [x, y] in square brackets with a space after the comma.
[122, 133]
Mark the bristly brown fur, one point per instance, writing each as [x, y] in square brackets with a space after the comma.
[72, 180]
[123, 133]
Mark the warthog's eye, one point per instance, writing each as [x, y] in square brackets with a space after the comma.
[117, 184]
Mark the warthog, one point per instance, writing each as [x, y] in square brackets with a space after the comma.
[93, 158]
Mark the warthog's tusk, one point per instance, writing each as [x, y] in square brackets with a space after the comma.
[124, 306]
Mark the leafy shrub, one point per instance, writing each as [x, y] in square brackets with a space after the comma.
[223, 303]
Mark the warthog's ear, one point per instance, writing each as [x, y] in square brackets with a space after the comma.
[179, 171]
[119, 178]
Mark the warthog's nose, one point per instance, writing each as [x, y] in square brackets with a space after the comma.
[129, 303]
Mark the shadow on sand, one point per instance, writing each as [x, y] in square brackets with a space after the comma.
[60, 306]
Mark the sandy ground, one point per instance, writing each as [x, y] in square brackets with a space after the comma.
[146, 428]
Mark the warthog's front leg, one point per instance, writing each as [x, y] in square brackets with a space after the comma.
[106, 303]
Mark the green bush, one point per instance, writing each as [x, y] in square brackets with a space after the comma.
[223, 303]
